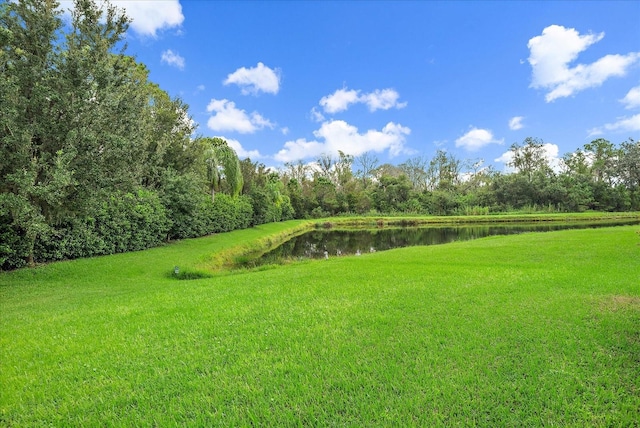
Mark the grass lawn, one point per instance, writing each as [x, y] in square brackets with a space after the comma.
[523, 330]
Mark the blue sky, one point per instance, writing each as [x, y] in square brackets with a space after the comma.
[283, 81]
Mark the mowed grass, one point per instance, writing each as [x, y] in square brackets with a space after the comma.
[525, 330]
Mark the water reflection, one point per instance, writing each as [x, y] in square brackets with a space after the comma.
[325, 243]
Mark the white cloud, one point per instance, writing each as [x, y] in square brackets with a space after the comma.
[173, 59]
[477, 138]
[229, 118]
[623, 124]
[340, 100]
[316, 116]
[516, 123]
[254, 80]
[148, 16]
[300, 149]
[506, 158]
[550, 151]
[284, 130]
[557, 47]
[632, 99]
[240, 151]
[380, 99]
[339, 135]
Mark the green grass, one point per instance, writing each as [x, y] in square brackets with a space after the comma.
[523, 330]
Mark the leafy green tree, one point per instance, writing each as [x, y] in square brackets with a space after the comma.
[603, 155]
[79, 121]
[325, 197]
[576, 179]
[169, 145]
[443, 172]
[629, 170]
[343, 169]
[392, 193]
[34, 164]
[529, 158]
[223, 167]
[296, 198]
[254, 174]
[388, 170]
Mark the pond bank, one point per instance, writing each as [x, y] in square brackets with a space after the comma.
[241, 254]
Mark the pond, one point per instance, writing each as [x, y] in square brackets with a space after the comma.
[326, 243]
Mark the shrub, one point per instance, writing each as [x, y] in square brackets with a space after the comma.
[13, 247]
[125, 222]
[228, 213]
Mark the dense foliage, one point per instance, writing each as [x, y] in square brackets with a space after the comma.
[96, 159]
[600, 176]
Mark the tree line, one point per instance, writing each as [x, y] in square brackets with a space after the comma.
[96, 159]
[600, 176]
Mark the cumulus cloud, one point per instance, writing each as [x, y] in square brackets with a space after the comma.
[342, 99]
[339, 135]
[241, 151]
[147, 16]
[171, 58]
[623, 124]
[557, 47]
[382, 100]
[632, 99]
[506, 158]
[516, 123]
[228, 118]
[477, 138]
[550, 151]
[255, 80]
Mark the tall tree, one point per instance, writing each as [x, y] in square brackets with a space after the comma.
[603, 156]
[343, 169]
[444, 171]
[529, 158]
[223, 166]
[75, 122]
[367, 163]
[34, 166]
[168, 136]
[297, 171]
[326, 164]
[629, 163]
[416, 171]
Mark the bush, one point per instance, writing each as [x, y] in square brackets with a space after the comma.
[13, 246]
[125, 222]
[186, 205]
[228, 213]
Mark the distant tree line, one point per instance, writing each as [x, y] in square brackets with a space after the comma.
[601, 176]
[96, 159]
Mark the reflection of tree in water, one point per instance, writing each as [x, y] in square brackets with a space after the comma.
[349, 242]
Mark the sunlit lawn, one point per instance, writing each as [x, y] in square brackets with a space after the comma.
[533, 329]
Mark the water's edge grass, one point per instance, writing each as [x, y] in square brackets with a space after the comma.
[239, 254]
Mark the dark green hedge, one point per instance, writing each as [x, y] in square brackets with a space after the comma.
[130, 222]
[126, 222]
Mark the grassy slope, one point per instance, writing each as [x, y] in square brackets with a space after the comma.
[534, 329]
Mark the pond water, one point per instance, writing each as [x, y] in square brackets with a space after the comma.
[324, 243]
